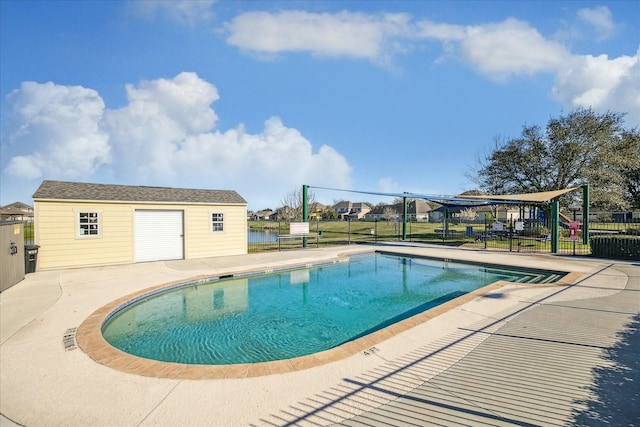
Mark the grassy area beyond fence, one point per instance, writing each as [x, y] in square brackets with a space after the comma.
[29, 234]
[526, 237]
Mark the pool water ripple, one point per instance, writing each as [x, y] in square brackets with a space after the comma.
[290, 313]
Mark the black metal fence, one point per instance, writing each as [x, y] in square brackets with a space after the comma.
[511, 236]
[520, 236]
[29, 234]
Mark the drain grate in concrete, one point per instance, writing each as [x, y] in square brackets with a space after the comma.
[69, 339]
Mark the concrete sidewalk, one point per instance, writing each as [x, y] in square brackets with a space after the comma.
[400, 380]
[562, 361]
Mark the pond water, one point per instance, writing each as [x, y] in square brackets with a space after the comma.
[254, 236]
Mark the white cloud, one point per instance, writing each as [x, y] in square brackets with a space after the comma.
[388, 185]
[189, 12]
[268, 163]
[511, 47]
[28, 167]
[498, 50]
[165, 135]
[343, 34]
[600, 18]
[602, 84]
[58, 131]
[160, 114]
[441, 31]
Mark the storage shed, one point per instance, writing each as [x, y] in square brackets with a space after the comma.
[82, 224]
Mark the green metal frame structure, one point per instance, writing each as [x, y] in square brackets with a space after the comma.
[555, 212]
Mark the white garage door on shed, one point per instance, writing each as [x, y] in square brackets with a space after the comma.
[159, 235]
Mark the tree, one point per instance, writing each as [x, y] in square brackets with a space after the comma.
[329, 214]
[291, 209]
[580, 148]
[379, 205]
[632, 173]
[400, 200]
[633, 186]
[468, 215]
[389, 213]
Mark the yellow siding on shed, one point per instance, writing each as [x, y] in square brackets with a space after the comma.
[56, 232]
[60, 245]
[201, 241]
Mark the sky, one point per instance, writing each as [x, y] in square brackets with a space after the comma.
[262, 97]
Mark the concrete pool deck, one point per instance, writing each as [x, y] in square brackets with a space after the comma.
[515, 355]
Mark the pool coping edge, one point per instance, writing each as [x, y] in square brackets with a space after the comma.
[90, 340]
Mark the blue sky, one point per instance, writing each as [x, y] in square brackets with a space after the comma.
[262, 97]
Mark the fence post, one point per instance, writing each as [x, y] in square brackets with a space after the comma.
[445, 226]
[555, 217]
[485, 232]
[585, 214]
[511, 234]
[375, 228]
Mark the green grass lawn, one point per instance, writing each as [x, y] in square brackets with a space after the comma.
[345, 232]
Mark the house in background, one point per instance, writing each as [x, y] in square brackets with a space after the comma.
[359, 210]
[265, 215]
[17, 211]
[82, 224]
[342, 208]
[477, 214]
[316, 211]
[417, 210]
[352, 211]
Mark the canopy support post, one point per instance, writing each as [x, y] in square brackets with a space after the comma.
[555, 217]
[305, 211]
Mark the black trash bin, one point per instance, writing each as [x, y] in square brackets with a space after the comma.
[30, 258]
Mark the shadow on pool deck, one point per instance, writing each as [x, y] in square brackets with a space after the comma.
[533, 370]
[617, 386]
[559, 360]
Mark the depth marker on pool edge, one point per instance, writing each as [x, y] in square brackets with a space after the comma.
[370, 351]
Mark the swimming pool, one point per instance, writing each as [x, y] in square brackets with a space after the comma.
[291, 313]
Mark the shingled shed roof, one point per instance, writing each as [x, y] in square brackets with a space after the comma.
[61, 190]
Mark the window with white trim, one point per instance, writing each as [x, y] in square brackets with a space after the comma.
[217, 222]
[88, 224]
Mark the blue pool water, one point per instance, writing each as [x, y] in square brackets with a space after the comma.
[291, 313]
